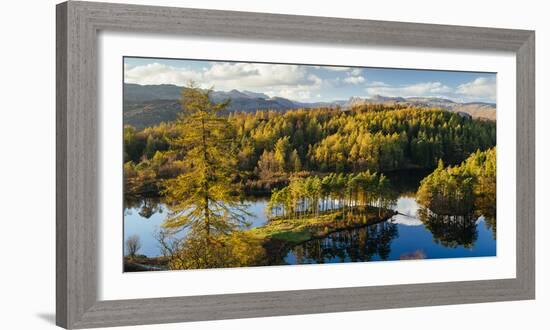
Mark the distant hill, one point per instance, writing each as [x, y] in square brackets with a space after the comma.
[474, 109]
[146, 105]
[141, 93]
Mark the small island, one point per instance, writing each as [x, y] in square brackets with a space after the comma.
[217, 180]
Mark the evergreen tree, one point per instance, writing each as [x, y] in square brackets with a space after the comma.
[462, 189]
[204, 198]
[295, 161]
[281, 152]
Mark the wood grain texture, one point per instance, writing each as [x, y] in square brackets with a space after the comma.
[77, 183]
[77, 158]
[525, 165]
[61, 166]
[295, 28]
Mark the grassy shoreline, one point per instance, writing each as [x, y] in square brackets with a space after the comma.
[281, 234]
[299, 230]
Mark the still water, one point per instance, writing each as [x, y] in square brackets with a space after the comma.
[411, 234]
[404, 236]
[144, 217]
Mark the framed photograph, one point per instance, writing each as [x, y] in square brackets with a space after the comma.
[216, 164]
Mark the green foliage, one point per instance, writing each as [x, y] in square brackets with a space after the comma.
[294, 162]
[461, 189]
[271, 146]
[281, 153]
[144, 144]
[309, 226]
[377, 138]
[349, 193]
[320, 165]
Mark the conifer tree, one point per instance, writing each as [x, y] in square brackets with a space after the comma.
[204, 198]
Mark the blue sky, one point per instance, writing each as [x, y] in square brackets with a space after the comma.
[313, 83]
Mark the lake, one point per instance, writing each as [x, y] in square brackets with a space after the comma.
[404, 236]
[144, 216]
[414, 233]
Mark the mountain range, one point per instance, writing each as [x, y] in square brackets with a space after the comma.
[146, 105]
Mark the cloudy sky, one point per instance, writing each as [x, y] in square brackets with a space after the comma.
[309, 83]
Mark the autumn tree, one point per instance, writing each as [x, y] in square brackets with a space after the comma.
[204, 198]
[294, 161]
[345, 193]
[281, 152]
[267, 165]
[379, 138]
[463, 188]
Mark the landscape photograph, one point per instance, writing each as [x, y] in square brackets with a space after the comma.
[241, 164]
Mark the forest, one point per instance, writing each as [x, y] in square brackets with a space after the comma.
[463, 189]
[272, 146]
[348, 193]
[322, 170]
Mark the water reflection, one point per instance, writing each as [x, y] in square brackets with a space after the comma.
[450, 230]
[413, 233]
[145, 206]
[144, 216]
[486, 207]
[362, 244]
[491, 223]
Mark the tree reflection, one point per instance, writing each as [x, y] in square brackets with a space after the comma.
[355, 245]
[450, 230]
[491, 223]
[486, 206]
[146, 206]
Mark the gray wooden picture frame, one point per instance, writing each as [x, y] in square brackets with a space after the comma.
[78, 24]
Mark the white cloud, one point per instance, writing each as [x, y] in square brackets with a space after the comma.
[227, 71]
[354, 77]
[299, 83]
[420, 89]
[300, 91]
[355, 80]
[480, 88]
[290, 81]
[156, 73]
[252, 75]
[377, 84]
